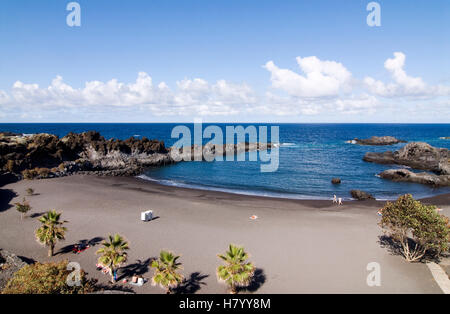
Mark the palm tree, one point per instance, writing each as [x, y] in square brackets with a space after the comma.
[113, 254]
[166, 271]
[236, 272]
[51, 230]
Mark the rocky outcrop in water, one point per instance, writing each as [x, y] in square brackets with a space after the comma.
[361, 195]
[404, 175]
[377, 141]
[417, 155]
[336, 181]
[209, 151]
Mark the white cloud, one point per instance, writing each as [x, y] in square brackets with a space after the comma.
[322, 88]
[4, 98]
[325, 87]
[357, 104]
[403, 85]
[321, 79]
[191, 97]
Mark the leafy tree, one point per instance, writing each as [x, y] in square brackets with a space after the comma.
[113, 254]
[51, 230]
[47, 278]
[23, 207]
[236, 272]
[418, 228]
[166, 271]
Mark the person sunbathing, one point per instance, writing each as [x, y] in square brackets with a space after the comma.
[78, 248]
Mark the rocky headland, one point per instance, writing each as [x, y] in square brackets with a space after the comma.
[46, 155]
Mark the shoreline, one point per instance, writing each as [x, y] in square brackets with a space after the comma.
[440, 199]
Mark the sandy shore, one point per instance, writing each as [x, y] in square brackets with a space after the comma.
[298, 246]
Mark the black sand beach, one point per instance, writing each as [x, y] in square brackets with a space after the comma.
[298, 246]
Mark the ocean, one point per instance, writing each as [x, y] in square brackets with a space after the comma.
[309, 157]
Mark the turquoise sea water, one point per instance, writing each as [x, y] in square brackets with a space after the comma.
[310, 155]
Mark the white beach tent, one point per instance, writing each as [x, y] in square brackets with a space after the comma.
[147, 216]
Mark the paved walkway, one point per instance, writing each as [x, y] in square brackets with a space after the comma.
[440, 276]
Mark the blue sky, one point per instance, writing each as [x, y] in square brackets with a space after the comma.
[212, 56]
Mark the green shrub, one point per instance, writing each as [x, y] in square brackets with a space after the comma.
[418, 228]
[47, 278]
[36, 172]
[23, 207]
[29, 174]
[30, 191]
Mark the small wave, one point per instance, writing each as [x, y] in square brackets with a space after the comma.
[350, 142]
[285, 145]
[288, 144]
[401, 167]
[233, 191]
[136, 135]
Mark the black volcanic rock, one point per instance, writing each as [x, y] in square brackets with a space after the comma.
[404, 175]
[361, 195]
[417, 155]
[9, 264]
[378, 141]
[79, 152]
[380, 158]
[336, 181]
[210, 151]
[45, 155]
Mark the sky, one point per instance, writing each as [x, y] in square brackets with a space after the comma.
[225, 61]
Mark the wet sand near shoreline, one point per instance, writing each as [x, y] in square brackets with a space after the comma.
[298, 246]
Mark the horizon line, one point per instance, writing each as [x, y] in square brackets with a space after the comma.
[231, 122]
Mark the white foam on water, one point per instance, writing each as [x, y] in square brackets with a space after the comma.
[289, 145]
[233, 191]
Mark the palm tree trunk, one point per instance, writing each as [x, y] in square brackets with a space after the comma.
[113, 280]
[50, 250]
